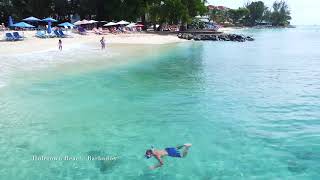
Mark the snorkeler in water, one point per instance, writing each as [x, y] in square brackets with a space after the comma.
[170, 151]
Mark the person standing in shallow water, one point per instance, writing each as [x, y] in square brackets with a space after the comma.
[60, 45]
[103, 43]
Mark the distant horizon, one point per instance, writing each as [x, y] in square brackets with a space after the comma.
[298, 9]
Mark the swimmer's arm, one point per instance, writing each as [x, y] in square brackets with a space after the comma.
[158, 165]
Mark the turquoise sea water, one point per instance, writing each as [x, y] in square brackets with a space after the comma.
[251, 111]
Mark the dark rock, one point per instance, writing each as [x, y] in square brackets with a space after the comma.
[215, 37]
[307, 155]
[296, 167]
[197, 38]
[189, 36]
[206, 37]
[104, 166]
[248, 38]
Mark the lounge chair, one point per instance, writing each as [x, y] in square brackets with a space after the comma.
[17, 36]
[10, 37]
[57, 33]
[40, 34]
[82, 31]
[51, 35]
[62, 34]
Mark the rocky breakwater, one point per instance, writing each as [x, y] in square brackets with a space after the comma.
[215, 37]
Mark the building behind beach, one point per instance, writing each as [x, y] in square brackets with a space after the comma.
[221, 8]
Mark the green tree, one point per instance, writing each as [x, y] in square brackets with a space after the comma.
[219, 16]
[267, 15]
[238, 14]
[170, 11]
[175, 11]
[197, 24]
[6, 7]
[280, 15]
[257, 11]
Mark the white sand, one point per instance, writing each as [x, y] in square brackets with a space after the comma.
[33, 44]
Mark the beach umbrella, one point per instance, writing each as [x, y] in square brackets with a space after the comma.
[134, 25]
[123, 22]
[32, 19]
[82, 22]
[66, 24]
[110, 24]
[86, 21]
[10, 21]
[78, 23]
[93, 21]
[49, 19]
[22, 25]
[131, 25]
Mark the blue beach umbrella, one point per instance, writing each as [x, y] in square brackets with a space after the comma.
[10, 21]
[23, 25]
[66, 24]
[49, 20]
[32, 19]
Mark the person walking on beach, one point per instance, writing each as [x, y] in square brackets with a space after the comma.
[60, 45]
[170, 151]
[103, 43]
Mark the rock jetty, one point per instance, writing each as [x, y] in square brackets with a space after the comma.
[215, 37]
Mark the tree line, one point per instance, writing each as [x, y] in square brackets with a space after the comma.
[158, 11]
[255, 13]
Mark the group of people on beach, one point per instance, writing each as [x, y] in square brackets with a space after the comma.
[116, 30]
[102, 42]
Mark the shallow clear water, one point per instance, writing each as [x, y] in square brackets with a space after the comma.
[251, 110]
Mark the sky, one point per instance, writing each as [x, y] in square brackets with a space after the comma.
[304, 12]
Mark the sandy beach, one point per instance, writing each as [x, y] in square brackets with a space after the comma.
[33, 44]
[81, 53]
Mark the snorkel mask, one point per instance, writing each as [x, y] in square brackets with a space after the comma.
[149, 153]
[148, 156]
